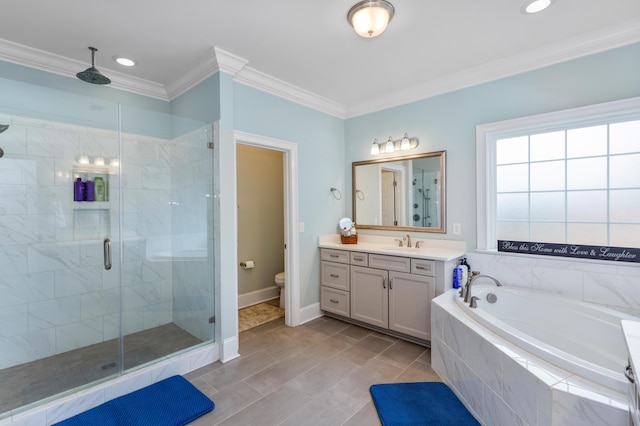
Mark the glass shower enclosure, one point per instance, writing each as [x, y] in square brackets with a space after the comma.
[106, 240]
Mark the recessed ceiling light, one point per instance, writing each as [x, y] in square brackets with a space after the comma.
[535, 6]
[125, 62]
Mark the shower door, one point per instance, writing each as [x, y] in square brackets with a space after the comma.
[167, 235]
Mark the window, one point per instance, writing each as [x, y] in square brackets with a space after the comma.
[566, 177]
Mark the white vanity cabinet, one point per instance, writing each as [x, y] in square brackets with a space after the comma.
[393, 298]
[390, 293]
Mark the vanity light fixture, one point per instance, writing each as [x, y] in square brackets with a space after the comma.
[535, 6]
[404, 144]
[369, 18]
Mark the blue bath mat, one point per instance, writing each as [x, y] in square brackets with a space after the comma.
[173, 401]
[419, 404]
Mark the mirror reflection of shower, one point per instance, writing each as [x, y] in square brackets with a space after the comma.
[425, 198]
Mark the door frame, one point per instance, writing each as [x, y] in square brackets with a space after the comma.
[291, 237]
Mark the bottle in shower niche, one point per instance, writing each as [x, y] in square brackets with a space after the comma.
[100, 189]
[78, 190]
[89, 191]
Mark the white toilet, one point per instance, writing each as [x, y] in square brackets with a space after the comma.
[280, 283]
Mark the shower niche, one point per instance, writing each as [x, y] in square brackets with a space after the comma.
[94, 183]
[91, 206]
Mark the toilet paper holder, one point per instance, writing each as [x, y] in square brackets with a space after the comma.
[248, 264]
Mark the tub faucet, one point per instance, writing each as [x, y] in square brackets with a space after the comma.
[474, 278]
[408, 239]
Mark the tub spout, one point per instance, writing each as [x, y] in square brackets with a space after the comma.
[474, 278]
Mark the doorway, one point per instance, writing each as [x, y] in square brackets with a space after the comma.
[290, 244]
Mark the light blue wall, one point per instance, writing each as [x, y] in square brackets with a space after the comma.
[448, 122]
[197, 106]
[320, 140]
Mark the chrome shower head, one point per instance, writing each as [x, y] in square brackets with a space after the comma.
[3, 127]
[91, 74]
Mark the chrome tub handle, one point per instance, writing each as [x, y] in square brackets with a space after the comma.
[628, 373]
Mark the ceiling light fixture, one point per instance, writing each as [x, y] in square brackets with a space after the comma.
[125, 62]
[369, 18]
[535, 6]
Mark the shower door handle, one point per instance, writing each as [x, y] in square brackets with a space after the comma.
[107, 253]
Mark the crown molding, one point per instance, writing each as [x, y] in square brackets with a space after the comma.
[599, 41]
[39, 59]
[216, 60]
[261, 81]
[211, 62]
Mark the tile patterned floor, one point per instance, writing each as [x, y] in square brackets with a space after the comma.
[33, 381]
[316, 374]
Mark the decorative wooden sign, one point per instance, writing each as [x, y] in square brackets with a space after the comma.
[579, 251]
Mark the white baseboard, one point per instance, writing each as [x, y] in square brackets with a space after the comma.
[310, 312]
[258, 296]
[229, 349]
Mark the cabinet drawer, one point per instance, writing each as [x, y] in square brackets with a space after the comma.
[391, 263]
[360, 259]
[340, 256]
[333, 300]
[334, 275]
[423, 267]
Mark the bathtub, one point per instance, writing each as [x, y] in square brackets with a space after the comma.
[582, 338]
[531, 357]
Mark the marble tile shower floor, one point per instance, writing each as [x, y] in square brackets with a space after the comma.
[33, 381]
[316, 374]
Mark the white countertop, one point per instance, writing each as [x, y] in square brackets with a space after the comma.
[442, 250]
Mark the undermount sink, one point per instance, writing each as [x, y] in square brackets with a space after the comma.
[402, 249]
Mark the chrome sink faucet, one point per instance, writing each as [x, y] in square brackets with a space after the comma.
[407, 238]
[474, 278]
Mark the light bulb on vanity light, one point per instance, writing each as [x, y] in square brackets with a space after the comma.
[389, 146]
[98, 161]
[375, 148]
[405, 144]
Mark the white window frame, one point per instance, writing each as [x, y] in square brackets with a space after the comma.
[488, 134]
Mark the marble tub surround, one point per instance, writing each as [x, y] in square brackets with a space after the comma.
[443, 250]
[610, 284]
[503, 384]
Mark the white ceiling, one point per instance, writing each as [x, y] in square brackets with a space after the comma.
[430, 47]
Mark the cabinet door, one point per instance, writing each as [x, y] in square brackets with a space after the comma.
[410, 304]
[369, 296]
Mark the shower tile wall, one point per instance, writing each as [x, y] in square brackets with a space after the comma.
[55, 295]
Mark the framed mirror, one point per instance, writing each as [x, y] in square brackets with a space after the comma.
[401, 193]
